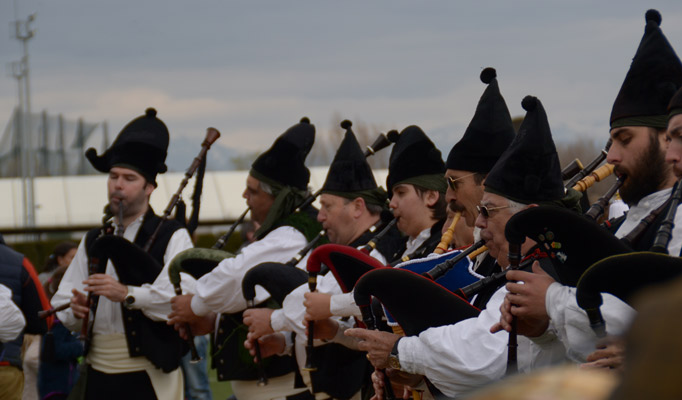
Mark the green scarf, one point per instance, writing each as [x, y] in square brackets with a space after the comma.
[653, 121]
[435, 182]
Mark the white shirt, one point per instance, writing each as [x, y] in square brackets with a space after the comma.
[12, 320]
[153, 299]
[571, 322]
[220, 290]
[461, 357]
[414, 243]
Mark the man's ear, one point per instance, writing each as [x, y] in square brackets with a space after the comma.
[148, 189]
[358, 206]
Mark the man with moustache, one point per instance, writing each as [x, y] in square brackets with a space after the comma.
[488, 135]
[458, 358]
[126, 359]
[638, 129]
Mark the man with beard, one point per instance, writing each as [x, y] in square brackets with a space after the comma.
[638, 129]
[132, 353]
[460, 357]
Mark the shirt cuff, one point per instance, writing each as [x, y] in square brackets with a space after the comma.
[343, 305]
[199, 308]
[278, 320]
[288, 343]
[546, 338]
[141, 295]
[408, 354]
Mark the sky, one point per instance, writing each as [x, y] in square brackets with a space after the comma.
[253, 68]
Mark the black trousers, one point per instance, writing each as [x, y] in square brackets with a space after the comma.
[128, 386]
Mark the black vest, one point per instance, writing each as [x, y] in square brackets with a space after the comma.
[155, 340]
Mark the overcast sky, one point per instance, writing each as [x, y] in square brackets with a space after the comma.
[253, 68]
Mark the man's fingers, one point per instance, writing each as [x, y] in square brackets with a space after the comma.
[537, 269]
[496, 328]
[362, 334]
[516, 275]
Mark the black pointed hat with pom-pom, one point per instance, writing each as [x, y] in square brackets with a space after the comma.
[489, 133]
[142, 146]
[416, 160]
[284, 162]
[654, 76]
[529, 170]
[350, 175]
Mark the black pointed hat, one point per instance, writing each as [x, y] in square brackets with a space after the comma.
[414, 156]
[284, 162]
[489, 133]
[142, 146]
[349, 172]
[654, 76]
[529, 170]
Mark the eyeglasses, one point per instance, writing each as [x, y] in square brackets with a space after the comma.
[485, 211]
[452, 182]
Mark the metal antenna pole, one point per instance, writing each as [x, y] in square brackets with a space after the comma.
[24, 33]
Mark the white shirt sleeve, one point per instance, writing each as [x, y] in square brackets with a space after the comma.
[12, 320]
[572, 324]
[290, 316]
[73, 278]
[221, 289]
[464, 356]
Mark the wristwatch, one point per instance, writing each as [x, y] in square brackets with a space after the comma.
[393, 360]
[129, 299]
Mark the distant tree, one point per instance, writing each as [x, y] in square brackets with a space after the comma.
[244, 161]
[328, 141]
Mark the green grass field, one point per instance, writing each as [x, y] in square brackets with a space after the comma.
[220, 390]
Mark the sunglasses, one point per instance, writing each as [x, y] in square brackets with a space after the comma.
[485, 211]
[453, 182]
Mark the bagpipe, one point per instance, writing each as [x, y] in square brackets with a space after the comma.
[636, 271]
